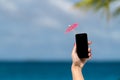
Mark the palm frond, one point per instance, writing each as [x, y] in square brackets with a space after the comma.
[96, 5]
[117, 12]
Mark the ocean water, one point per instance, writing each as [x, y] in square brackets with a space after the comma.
[57, 71]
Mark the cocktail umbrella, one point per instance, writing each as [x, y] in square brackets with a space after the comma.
[71, 28]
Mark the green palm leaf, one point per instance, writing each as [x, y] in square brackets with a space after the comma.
[97, 5]
[117, 12]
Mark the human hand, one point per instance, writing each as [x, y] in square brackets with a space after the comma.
[79, 62]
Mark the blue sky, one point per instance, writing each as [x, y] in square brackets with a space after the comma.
[34, 30]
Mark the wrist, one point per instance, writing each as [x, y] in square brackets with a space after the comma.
[76, 67]
[78, 64]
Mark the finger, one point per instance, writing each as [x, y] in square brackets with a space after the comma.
[89, 54]
[89, 42]
[90, 57]
[89, 50]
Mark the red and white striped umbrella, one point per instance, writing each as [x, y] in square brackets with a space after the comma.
[71, 27]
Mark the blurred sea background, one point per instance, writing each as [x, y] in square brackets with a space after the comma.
[57, 71]
[33, 45]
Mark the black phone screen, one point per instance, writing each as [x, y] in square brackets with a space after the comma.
[82, 45]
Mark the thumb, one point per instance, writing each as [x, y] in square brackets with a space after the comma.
[74, 48]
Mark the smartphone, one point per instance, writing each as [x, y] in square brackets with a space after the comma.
[82, 45]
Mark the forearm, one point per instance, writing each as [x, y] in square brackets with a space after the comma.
[76, 72]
